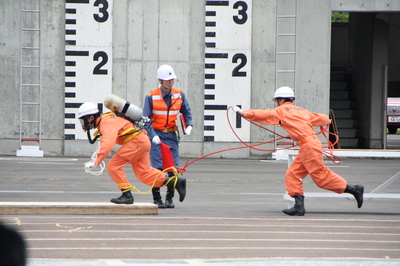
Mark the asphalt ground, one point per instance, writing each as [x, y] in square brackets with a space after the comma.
[232, 215]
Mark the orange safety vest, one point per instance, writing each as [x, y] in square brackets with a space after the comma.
[164, 117]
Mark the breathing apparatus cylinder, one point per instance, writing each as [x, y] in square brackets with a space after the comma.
[124, 107]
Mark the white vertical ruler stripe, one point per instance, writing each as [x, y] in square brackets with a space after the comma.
[88, 58]
[227, 67]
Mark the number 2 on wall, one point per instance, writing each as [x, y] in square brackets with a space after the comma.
[241, 6]
[243, 60]
[104, 59]
[102, 5]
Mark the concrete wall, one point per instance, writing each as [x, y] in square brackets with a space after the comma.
[313, 55]
[149, 33]
[378, 92]
[53, 76]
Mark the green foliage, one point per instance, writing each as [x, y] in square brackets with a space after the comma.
[340, 16]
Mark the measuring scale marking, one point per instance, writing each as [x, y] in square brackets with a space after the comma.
[227, 67]
[88, 54]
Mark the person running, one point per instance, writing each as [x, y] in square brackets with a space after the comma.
[299, 123]
[135, 150]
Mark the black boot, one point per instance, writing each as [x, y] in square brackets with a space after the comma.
[357, 191]
[180, 186]
[168, 198]
[157, 197]
[298, 208]
[126, 197]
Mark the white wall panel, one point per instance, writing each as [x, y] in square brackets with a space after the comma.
[88, 58]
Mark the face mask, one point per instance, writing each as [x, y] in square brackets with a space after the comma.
[84, 123]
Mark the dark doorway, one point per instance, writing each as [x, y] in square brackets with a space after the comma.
[365, 71]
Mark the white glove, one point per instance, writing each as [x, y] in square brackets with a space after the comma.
[188, 130]
[237, 109]
[145, 119]
[156, 139]
[90, 165]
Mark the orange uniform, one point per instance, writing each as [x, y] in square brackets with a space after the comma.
[299, 123]
[134, 151]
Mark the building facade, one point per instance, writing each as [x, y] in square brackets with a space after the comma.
[57, 54]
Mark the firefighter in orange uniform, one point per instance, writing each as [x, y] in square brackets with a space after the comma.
[135, 150]
[299, 123]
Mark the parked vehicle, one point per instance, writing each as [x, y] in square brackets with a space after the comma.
[393, 115]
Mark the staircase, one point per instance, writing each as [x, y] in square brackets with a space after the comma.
[343, 104]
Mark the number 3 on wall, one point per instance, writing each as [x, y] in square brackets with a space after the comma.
[103, 5]
[241, 12]
[101, 17]
[241, 6]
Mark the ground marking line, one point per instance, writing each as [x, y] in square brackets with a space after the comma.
[37, 160]
[210, 239]
[216, 248]
[228, 225]
[213, 232]
[293, 220]
[45, 163]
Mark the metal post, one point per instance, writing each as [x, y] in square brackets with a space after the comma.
[385, 92]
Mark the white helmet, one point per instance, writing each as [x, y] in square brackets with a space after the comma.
[166, 72]
[284, 92]
[88, 108]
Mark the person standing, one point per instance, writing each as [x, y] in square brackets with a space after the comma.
[134, 150]
[299, 123]
[163, 105]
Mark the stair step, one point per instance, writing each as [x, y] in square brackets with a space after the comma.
[347, 132]
[347, 114]
[339, 75]
[30, 151]
[349, 143]
[346, 123]
[342, 104]
[339, 85]
[340, 95]
[344, 108]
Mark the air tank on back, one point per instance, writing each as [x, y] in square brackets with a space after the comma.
[124, 107]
